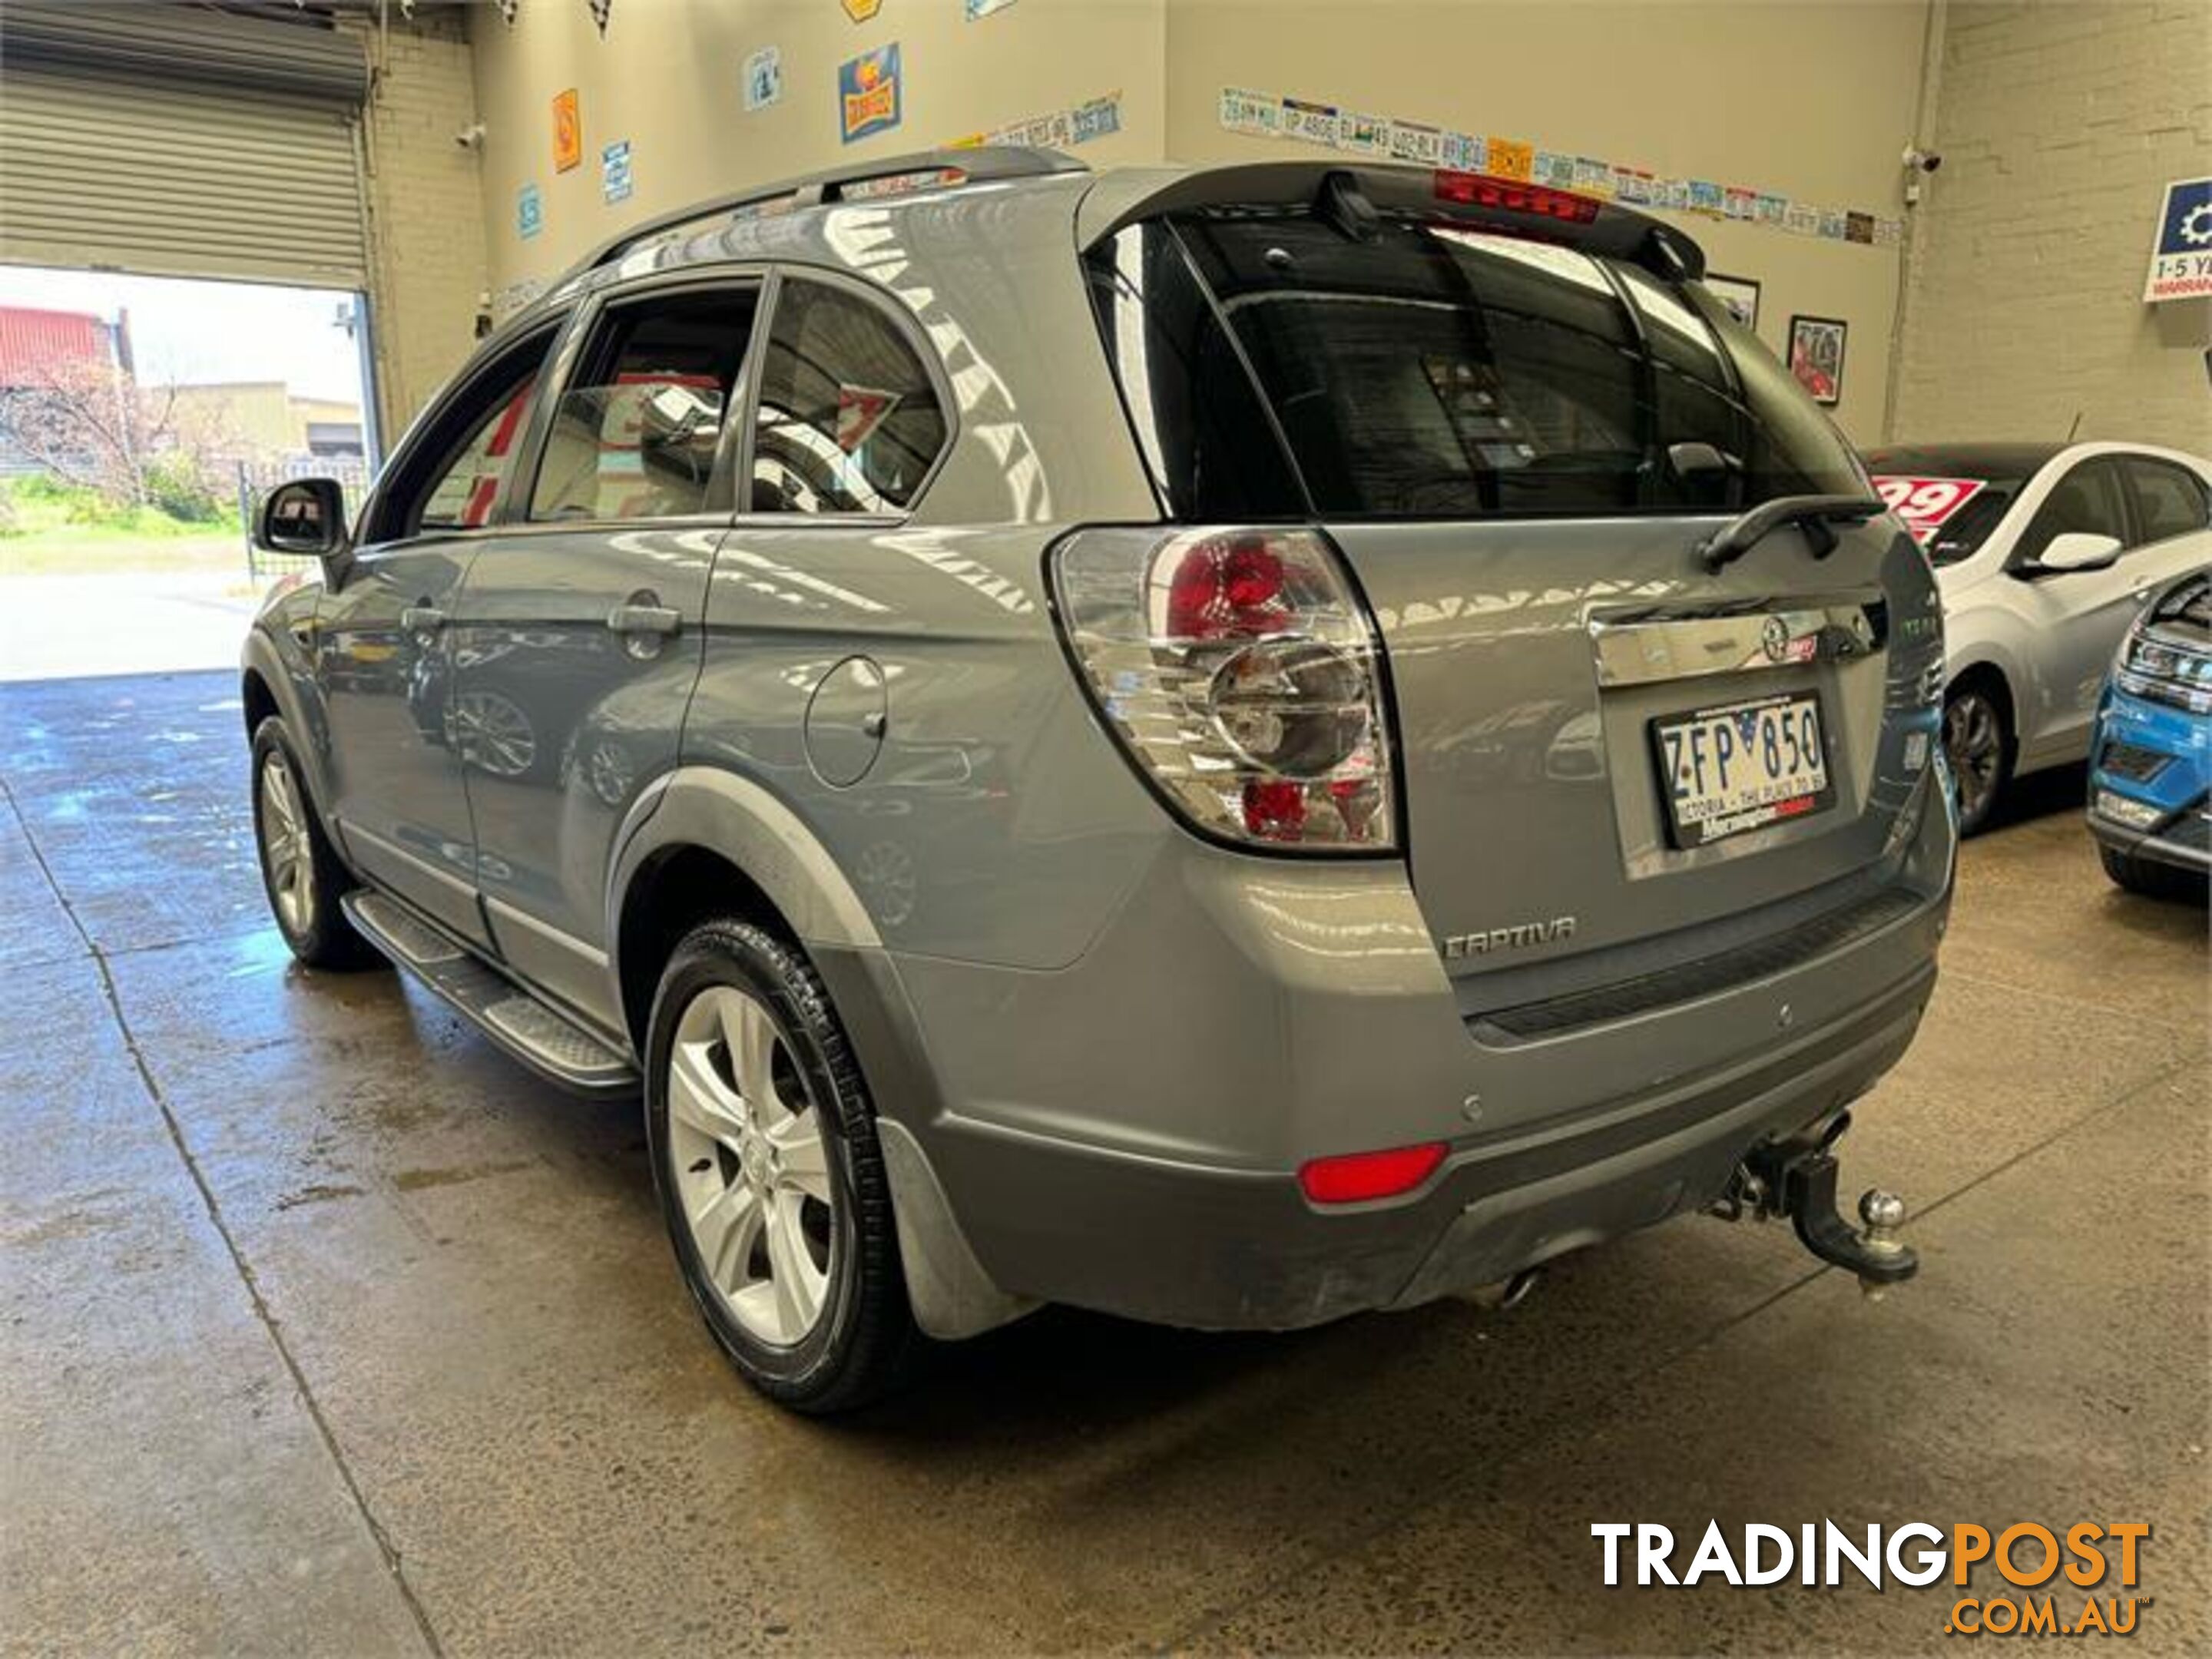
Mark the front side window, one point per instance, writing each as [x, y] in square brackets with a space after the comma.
[467, 449]
[2087, 499]
[2170, 500]
[849, 420]
[638, 427]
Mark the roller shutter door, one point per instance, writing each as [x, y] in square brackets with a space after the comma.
[179, 141]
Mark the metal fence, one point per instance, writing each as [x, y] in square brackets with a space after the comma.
[256, 478]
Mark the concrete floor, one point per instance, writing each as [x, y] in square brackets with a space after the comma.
[124, 622]
[328, 1330]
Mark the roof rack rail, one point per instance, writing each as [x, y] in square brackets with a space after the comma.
[982, 164]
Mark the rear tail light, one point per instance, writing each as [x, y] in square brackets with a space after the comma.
[1481, 189]
[1240, 672]
[1362, 1177]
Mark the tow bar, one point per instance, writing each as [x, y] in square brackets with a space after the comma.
[1797, 1178]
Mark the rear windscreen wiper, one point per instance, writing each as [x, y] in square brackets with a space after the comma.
[1816, 515]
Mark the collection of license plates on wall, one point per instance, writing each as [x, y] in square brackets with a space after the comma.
[1268, 115]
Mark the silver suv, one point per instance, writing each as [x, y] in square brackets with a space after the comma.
[1231, 746]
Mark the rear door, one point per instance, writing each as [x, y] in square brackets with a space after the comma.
[2172, 504]
[576, 638]
[1520, 447]
[385, 654]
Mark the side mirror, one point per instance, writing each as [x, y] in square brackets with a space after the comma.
[2077, 550]
[305, 518]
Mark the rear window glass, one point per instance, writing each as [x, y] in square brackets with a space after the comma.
[1438, 371]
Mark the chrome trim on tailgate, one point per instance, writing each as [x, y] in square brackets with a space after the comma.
[1641, 650]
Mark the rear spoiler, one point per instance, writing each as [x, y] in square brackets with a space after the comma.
[1478, 200]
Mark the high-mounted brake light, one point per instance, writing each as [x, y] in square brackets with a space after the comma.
[1510, 195]
[1362, 1177]
[1240, 671]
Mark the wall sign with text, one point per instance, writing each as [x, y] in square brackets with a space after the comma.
[2181, 258]
[868, 93]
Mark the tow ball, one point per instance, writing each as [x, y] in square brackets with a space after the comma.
[1797, 1178]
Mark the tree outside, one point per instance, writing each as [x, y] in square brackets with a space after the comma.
[133, 435]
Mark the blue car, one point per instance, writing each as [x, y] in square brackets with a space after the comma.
[2151, 763]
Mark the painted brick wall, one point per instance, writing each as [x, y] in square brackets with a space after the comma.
[2058, 125]
[426, 207]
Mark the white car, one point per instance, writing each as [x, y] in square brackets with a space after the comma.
[2045, 554]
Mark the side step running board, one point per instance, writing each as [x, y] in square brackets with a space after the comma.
[541, 1037]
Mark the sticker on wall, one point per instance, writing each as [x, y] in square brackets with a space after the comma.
[868, 93]
[1062, 129]
[1511, 159]
[529, 212]
[977, 10]
[1816, 358]
[765, 78]
[1251, 111]
[861, 10]
[1267, 115]
[1412, 142]
[568, 132]
[507, 12]
[601, 9]
[1318, 122]
[2181, 256]
[615, 183]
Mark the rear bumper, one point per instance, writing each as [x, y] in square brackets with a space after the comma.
[1215, 1249]
[1124, 1133]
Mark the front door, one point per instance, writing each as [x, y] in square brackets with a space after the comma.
[385, 661]
[2079, 615]
[577, 638]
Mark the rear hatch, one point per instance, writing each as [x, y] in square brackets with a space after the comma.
[1520, 418]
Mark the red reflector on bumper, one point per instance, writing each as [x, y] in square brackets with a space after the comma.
[1356, 1177]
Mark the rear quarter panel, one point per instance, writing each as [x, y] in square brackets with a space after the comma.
[996, 823]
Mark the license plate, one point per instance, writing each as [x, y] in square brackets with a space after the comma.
[1741, 766]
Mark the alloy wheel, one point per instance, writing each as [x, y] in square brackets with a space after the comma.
[287, 854]
[1973, 741]
[750, 1165]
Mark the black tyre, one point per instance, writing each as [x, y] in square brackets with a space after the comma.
[2153, 880]
[300, 870]
[1978, 741]
[770, 1177]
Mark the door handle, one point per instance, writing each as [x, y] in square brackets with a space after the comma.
[645, 619]
[421, 618]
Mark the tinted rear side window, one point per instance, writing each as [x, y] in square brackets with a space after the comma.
[1208, 439]
[2169, 501]
[849, 420]
[1437, 371]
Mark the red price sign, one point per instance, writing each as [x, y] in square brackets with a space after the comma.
[1924, 503]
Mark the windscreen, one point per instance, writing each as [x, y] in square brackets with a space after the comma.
[1276, 366]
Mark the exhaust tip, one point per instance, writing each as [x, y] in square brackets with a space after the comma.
[1507, 1293]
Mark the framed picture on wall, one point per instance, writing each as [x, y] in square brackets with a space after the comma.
[1816, 356]
[1739, 294]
